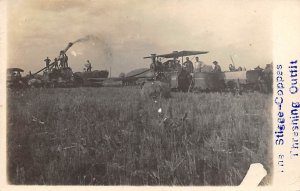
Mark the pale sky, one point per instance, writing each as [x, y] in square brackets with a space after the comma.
[128, 30]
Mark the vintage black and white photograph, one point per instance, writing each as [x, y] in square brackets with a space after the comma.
[130, 92]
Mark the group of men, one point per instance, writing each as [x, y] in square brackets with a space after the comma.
[63, 63]
[62, 59]
[199, 65]
[188, 65]
[233, 69]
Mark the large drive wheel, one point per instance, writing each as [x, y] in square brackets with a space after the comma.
[184, 81]
[234, 87]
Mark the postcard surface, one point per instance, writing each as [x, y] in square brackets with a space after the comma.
[158, 94]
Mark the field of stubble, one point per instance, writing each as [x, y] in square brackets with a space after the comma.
[110, 136]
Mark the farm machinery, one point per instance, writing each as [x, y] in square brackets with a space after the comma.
[55, 75]
[61, 77]
[170, 71]
[91, 78]
[14, 78]
[179, 79]
[64, 77]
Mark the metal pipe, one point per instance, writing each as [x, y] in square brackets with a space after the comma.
[65, 50]
[232, 61]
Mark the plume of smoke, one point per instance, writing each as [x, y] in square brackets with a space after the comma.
[86, 38]
[73, 53]
[99, 43]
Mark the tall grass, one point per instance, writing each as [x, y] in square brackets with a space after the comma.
[110, 136]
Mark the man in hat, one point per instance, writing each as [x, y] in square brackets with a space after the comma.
[153, 64]
[231, 68]
[159, 65]
[47, 60]
[217, 67]
[88, 66]
[63, 59]
[258, 68]
[198, 65]
[55, 63]
[188, 65]
[177, 65]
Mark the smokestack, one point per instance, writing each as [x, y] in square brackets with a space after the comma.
[69, 46]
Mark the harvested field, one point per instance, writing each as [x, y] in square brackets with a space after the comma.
[111, 136]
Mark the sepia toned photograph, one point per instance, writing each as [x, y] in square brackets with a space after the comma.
[128, 92]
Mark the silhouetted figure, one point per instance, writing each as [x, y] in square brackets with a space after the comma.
[177, 65]
[231, 68]
[88, 66]
[47, 60]
[217, 67]
[153, 64]
[198, 65]
[55, 63]
[258, 68]
[159, 65]
[63, 58]
[188, 65]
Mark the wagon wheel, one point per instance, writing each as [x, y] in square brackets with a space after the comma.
[161, 77]
[184, 81]
[234, 86]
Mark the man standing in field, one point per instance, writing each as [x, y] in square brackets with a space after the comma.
[217, 67]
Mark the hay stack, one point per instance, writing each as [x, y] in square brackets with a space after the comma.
[155, 90]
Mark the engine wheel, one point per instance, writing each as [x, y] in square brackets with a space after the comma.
[185, 81]
[234, 87]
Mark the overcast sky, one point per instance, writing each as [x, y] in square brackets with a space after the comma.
[128, 30]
